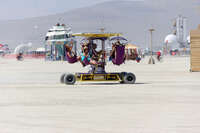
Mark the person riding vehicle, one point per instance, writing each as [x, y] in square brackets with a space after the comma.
[19, 56]
[95, 58]
[85, 58]
[158, 55]
[117, 54]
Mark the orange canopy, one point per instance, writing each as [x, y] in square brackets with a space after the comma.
[131, 46]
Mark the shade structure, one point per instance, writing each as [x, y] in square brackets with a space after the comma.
[40, 49]
[131, 46]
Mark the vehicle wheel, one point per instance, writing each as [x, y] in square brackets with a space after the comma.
[122, 75]
[121, 82]
[62, 78]
[129, 78]
[69, 79]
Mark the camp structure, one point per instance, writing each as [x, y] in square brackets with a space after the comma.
[195, 50]
[55, 41]
[23, 48]
[131, 52]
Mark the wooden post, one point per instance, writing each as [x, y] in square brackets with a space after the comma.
[151, 59]
[195, 50]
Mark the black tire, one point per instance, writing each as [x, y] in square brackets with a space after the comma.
[69, 79]
[122, 75]
[62, 78]
[129, 78]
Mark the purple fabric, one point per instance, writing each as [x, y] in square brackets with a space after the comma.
[120, 55]
[86, 62]
[119, 38]
[72, 59]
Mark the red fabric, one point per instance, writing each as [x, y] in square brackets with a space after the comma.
[32, 56]
[159, 53]
[173, 53]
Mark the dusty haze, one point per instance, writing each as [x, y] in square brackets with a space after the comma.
[133, 18]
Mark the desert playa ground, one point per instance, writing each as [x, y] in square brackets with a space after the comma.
[165, 99]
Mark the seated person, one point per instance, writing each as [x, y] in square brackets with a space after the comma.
[85, 55]
[84, 46]
[113, 52]
[96, 54]
[117, 55]
[71, 55]
[69, 52]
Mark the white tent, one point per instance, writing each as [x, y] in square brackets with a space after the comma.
[171, 38]
[23, 48]
[40, 49]
[188, 39]
[171, 41]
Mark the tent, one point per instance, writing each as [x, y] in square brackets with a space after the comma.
[131, 46]
[131, 52]
[40, 49]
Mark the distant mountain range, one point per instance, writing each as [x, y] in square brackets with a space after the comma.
[132, 18]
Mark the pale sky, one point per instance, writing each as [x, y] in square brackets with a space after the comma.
[19, 9]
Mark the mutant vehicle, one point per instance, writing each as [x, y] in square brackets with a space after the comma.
[97, 60]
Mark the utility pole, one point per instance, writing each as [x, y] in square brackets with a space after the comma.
[151, 59]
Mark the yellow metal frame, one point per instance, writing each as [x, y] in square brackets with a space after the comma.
[83, 77]
[97, 34]
[98, 77]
